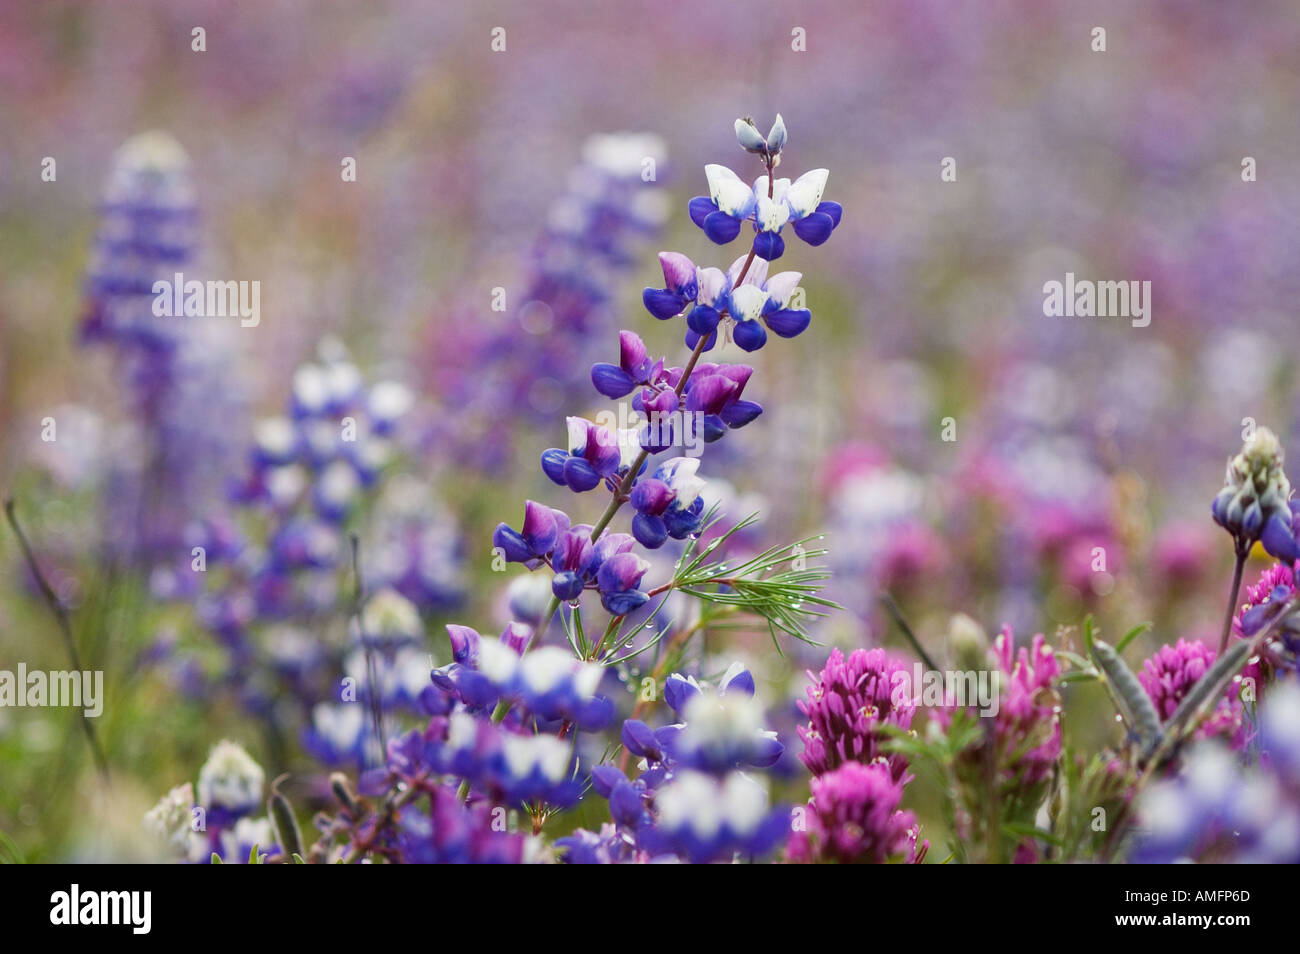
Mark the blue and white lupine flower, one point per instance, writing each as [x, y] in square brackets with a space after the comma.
[668, 504]
[593, 456]
[548, 682]
[704, 819]
[402, 676]
[798, 203]
[720, 732]
[760, 297]
[237, 843]
[538, 768]
[230, 783]
[340, 734]
[170, 820]
[507, 765]
[731, 202]
[680, 689]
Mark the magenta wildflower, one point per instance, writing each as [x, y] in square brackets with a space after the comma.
[846, 703]
[1028, 724]
[1173, 670]
[853, 818]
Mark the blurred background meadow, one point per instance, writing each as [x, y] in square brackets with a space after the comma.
[961, 451]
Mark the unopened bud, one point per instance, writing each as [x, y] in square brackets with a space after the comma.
[750, 139]
[968, 643]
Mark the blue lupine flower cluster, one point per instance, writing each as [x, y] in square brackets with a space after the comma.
[608, 565]
[713, 295]
[262, 595]
[612, 204]
[692, 798]
[668, 503]
[1217, 810]
[502, 712]
[175, 372]
[547, 683]
[770, 204]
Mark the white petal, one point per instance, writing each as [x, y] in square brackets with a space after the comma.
[728, 191]
[781, 286]
[806, 192]
[577, 434]
[747, 302]
[771, 215]
[495, 661]
[756, 275]
[712, 283]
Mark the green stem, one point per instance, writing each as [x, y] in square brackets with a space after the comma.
[1237, 570]
[65, 628]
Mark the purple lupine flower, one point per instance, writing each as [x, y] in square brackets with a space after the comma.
[176, 372]
[610, 846]
[634, 368]
[594, 455]
[681, 287]
[1217, 809]
[848, 699]
[537, 537]
[715, 294]
[853, 818]
[455, 833]
[668, 503]
[547, 682]
[506, 765]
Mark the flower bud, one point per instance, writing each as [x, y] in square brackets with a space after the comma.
[1255, 490]
[968, 643]
[750, 139]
